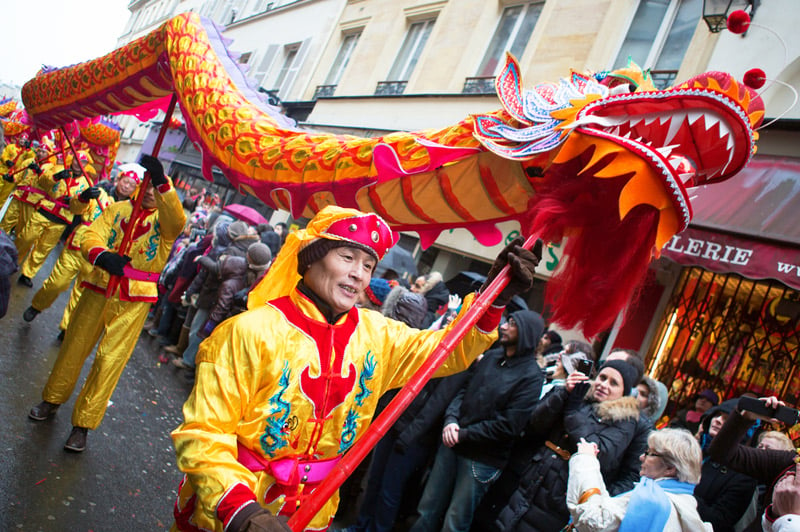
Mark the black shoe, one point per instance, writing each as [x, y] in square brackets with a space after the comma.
[24, 280]
[77, 440]
[61, 334]
[43, 411]
[30, 313]
[188, 376]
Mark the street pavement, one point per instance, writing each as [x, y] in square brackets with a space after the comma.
[126, 480]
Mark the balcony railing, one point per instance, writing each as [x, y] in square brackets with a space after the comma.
[483, 85]
[324, 91]
[390, 88]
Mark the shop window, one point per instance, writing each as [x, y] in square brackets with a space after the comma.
[659, 36]
[730, 334]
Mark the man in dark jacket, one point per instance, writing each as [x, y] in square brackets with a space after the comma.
[481, 424]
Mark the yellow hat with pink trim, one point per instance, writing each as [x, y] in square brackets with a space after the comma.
[332, 227]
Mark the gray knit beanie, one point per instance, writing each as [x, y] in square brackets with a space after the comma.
[237, 229]
[258, 257]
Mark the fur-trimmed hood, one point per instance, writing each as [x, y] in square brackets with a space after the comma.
[615, 410]
[657, 400]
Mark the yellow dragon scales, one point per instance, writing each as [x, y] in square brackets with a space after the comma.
[604, 159]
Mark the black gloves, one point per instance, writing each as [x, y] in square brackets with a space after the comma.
[154, 168]
[575, 397]
[254, 518]
[36, 168]
[9, 163]
[112, 262]
[8, 177]
[523, 264]
[89, 194]
[63, 174]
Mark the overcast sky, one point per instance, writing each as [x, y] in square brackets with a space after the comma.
[56, 33]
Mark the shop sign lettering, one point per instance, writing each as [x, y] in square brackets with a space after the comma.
[705, 249]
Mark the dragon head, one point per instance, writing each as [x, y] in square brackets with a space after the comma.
[610, 159]
[618, 125]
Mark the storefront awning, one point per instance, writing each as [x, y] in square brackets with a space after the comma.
[762, 201]
[749, 224]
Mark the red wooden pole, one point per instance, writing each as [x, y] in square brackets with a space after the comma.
[113, 281]
[74, 153]
[59, 152]
[380, 426]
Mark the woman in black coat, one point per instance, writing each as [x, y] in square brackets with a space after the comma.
[531, 493]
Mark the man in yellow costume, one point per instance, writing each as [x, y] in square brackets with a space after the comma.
[115, 319]
[283, 390]
[67, 194]
[13, 159]
[25, 196]
[71, 263]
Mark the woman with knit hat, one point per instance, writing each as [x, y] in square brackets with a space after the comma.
[286, 388]
[530, 495]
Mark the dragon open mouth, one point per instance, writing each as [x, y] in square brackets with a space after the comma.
[700, 124]
[697, 133]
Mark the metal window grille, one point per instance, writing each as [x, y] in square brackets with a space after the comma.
[730, 334]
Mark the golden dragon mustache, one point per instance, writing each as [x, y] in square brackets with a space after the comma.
[609, 143]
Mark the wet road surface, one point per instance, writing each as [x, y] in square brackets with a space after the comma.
[126, 480]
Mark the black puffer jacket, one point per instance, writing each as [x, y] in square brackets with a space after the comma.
[531, 493]
[233, 277]
[492, 409]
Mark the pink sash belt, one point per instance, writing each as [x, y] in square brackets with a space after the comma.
[140, 275]
[289, 471]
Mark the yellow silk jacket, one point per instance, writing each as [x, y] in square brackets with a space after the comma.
[282, 382]
[94, 208]
[154, 233]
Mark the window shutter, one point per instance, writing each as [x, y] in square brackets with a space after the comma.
[286, 86]
[260, 73]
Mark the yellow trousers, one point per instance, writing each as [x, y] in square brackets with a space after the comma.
[119, 323]
[6, 189]
[11, 218]
[17, 216]
[70, 264]
[41, 235]
[74, 297]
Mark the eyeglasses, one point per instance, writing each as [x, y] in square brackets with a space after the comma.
[650, 452]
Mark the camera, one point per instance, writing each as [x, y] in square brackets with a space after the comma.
[787, 415]
[584, 366]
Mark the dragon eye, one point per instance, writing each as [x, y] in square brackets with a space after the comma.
[622, 88]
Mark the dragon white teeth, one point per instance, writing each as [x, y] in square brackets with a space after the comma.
[711, 121]
[665, 151]
[674, 126]
[693, 116]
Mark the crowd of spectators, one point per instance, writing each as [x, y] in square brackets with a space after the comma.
[528, 439]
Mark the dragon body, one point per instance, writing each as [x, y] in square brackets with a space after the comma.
[603, 159]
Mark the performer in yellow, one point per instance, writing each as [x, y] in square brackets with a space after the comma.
[67, 193]
[115, 320]
[12, 159]
[26, 195]
[284, 389]
[71, 262]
